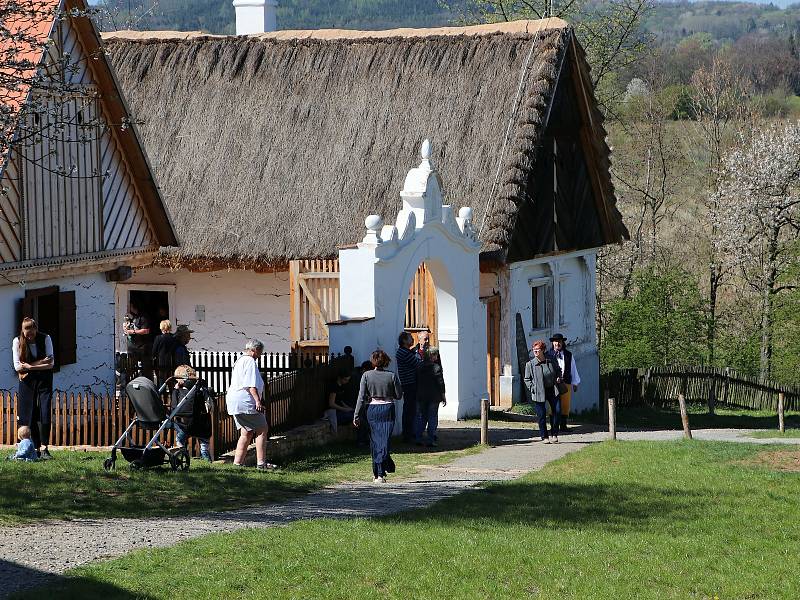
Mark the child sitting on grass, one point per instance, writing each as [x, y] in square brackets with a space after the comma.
[25, 448]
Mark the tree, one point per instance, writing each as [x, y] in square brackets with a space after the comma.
[758, 217]
[661, 323]
[719, 103]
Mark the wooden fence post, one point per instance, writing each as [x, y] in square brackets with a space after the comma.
[612, 418]
[684, 417]
[712, 396]
[484, 422]
[781, 424]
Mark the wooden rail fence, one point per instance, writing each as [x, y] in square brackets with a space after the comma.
[659, 386]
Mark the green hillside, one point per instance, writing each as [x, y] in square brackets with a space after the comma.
[217, 16]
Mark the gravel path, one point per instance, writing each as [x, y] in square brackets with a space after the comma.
[62, 545]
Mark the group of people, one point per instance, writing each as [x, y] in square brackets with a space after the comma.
[163, 352]
[551, 377]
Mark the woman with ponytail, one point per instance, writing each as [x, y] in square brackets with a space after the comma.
[33, 362]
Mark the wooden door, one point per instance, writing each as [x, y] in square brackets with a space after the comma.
[493, 349]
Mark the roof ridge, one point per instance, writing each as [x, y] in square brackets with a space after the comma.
[525, 27]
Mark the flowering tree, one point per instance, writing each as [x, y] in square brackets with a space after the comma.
[757, 216]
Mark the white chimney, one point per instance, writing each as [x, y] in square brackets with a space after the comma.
[255, 16]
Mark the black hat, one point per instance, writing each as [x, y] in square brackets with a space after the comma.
[557, 337]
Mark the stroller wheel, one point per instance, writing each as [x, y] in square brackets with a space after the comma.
[137, 465]
[109, 464]
[179, 460]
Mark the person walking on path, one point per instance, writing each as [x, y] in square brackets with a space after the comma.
[379, 390]
[164, 352]
[408, 362]
[541, 375]
[569, 374]
[244, 402]
[430, 394]
[33, 357]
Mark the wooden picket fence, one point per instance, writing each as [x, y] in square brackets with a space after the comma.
[660, 386]
[293, 399]
[216, 367]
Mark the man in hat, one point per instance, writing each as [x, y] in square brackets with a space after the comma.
[569, 374]
[182, 337]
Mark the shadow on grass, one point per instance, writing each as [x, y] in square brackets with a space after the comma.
[668, 417]
[612, 507]
[16, 579]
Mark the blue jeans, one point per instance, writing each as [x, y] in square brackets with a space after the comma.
[427, 414]
[541, 415]
[181, 437]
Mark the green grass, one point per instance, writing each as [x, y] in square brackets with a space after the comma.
[789, 433]
[668, 417]
[74, 484]
[616, 520]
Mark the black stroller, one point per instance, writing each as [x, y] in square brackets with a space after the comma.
[151, 415]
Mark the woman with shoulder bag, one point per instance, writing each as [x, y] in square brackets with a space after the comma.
[541, 377]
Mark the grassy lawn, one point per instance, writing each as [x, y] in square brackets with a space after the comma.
[669, 417]
[74, 484]
[616, 520]
[789, 433]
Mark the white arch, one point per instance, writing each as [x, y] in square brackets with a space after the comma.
[376, 274]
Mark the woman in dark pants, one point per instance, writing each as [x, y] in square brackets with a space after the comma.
[33, 362]
[379, 390]
[541, 375]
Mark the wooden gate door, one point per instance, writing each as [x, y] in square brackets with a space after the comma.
[314, 297]
[493, 349]
[421, 305]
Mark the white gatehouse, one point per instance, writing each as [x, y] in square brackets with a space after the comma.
[376, 273]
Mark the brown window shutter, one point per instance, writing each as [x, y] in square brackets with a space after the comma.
[66, 353]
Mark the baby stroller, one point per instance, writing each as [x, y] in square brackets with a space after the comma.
[151, 415]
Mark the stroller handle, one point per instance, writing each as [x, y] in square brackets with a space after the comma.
[163, 387]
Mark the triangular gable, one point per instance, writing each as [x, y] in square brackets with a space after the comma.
[568, 195]
[81, 185]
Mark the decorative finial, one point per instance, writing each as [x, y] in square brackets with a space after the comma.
[425, 151]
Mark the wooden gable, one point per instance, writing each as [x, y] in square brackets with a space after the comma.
[76, 183]
[563, 208]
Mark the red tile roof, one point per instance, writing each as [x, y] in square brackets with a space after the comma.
[25, 27]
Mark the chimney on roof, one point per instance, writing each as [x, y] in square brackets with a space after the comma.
[255, 16]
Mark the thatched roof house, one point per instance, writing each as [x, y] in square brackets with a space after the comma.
[274, 147]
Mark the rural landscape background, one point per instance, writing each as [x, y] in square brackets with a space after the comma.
[701, 103]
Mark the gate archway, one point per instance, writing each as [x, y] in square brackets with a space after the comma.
[375, 276]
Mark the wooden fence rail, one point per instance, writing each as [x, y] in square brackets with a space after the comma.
[659, 386]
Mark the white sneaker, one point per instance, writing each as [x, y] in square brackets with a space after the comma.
[555, 440]
[546, 440]
[379, 480]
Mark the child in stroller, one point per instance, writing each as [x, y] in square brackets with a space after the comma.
[188, 409]
[196, 419]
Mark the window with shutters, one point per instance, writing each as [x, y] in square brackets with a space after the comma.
[55, 314]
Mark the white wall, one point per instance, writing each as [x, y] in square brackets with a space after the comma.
[572, 277]
[238, 305]
[94, 299]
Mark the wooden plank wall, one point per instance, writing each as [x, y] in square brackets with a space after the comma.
[70, 189]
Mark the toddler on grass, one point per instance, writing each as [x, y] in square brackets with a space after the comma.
[25, 448]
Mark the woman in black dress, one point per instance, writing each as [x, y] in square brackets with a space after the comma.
[33, 362]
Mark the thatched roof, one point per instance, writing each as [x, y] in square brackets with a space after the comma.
[274, 147]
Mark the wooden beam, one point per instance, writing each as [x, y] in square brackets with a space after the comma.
[319, 312]
[294, 302]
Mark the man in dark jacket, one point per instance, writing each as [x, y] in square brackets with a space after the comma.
[569, 374]
[430, 394]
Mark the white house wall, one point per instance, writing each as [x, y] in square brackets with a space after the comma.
[238, 305]
[94, 300]
[573, 289]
